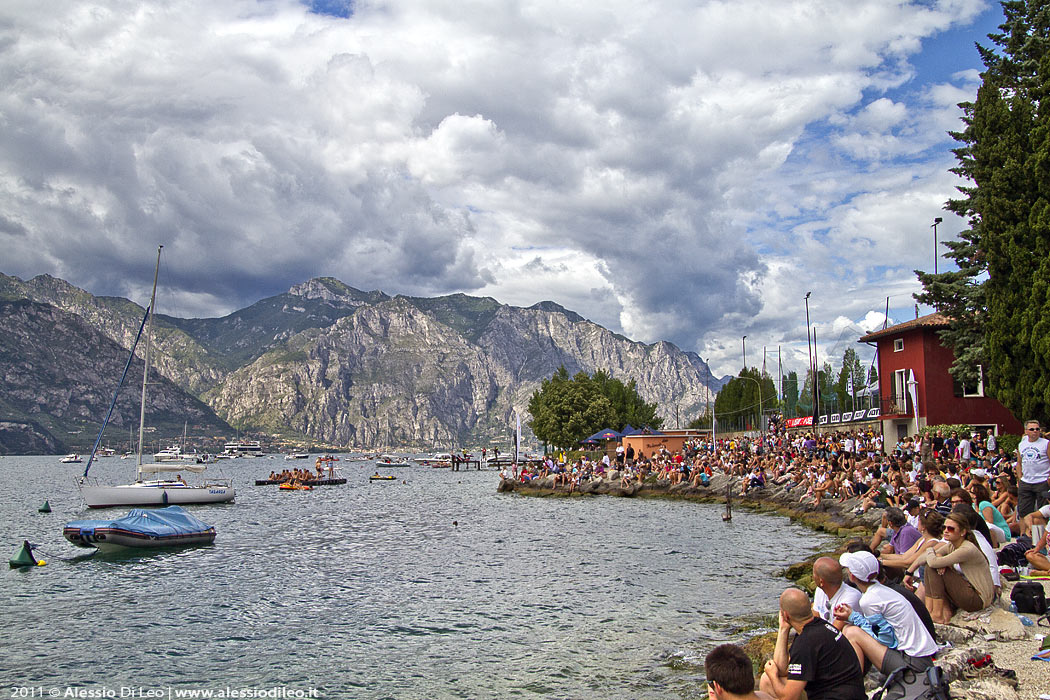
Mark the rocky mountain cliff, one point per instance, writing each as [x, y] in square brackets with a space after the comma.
[57, 378]
[351, 368]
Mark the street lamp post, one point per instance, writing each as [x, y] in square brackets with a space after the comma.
[743, 350]
[934, 227]
[812, 366]
[711, 412]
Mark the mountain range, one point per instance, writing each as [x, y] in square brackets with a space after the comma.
[323, 364]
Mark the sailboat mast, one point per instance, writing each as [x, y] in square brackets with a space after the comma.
[145, 359]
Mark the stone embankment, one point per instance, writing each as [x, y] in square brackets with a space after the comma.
[994, 631]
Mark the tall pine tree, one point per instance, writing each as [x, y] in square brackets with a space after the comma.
[998, 301]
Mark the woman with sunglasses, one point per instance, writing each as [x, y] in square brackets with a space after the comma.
[969, 587]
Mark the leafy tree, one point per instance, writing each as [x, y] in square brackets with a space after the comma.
[998, 301]
[851, 368]
[791, 397]
[747, 395]
[565, 411]
[628, 405]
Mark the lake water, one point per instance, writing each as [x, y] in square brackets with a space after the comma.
[370, 590]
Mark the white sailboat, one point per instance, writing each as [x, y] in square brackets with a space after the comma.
[151, 491]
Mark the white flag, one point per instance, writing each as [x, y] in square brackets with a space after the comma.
[849, 384]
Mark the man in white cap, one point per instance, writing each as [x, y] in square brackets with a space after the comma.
[914, 645]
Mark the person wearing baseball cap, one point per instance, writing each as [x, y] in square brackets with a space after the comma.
[913, 645]
[912, 510]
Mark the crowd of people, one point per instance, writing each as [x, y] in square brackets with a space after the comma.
[948, 502]
[302, 476]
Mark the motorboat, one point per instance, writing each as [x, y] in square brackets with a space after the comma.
[173, 454]
[438, 460]
[297, 455]
[243, 448]
[171, 490]
[73, 458]
[141, 529]
[393, 461]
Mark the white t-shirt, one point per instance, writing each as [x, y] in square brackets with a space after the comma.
[912, 636]
[1045, 512]
[989, 554]
[1035, 465]
[845, 594]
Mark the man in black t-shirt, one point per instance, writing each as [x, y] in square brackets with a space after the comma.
[820, 662]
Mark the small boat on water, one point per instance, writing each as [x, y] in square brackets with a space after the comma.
[73, 458]
[141, 529]
[382, 477]
[295, 487]
[297, 455]
[173, 454]
[438, 460]
[393, 461]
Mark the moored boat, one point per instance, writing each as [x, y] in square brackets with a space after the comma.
[393, 461]
[141, 529]
[155, 492]
[73, 458]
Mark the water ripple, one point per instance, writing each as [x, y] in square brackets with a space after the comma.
[370, 590]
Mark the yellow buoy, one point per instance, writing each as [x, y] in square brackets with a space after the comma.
[41, 562]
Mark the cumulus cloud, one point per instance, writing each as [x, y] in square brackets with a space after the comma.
[681, 171]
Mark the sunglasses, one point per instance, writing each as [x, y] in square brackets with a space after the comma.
[950, 528]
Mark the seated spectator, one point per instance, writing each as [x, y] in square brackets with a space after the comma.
[819, 661]
[1037, 556]
[997, 524]
[730, 675]
[946, 588]
[979, 528]
[830, 590]
[913, 646]
[895, 527]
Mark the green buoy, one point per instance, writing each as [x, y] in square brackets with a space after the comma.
[24, 557]
[46, 508]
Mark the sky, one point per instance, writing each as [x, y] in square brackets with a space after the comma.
[683, 170]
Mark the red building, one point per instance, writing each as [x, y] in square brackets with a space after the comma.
[916, 389]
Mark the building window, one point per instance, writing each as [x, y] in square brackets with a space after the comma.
[900, 389]
[971, 389]
[898, 344]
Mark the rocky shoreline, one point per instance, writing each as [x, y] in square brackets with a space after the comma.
[994, 631]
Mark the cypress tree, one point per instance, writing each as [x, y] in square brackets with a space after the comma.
[997, 302]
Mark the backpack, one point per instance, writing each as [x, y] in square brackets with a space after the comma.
[1029, 597]
[1012, 554]
[908, 684]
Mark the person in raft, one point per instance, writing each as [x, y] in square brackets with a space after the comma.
[820, 661]
[730, 676]
[912, 645]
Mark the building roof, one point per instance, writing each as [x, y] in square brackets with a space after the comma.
[934, 320]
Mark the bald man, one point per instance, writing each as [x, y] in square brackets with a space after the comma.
[820, 662]
[827, 575]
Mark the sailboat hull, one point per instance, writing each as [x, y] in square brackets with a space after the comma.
[152, 494]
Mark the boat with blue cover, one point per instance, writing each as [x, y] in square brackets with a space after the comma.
[141, 528]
